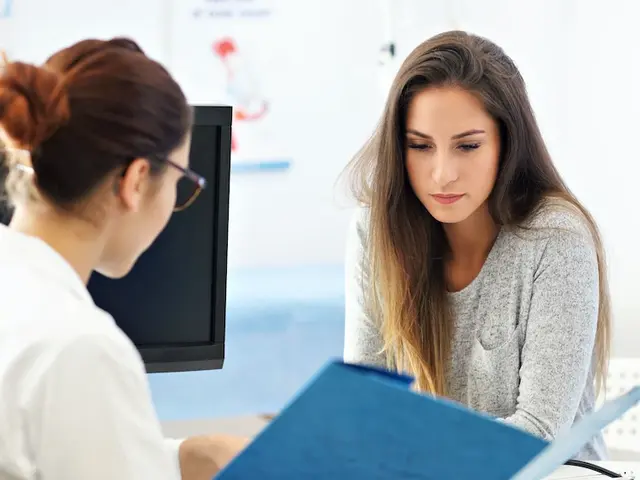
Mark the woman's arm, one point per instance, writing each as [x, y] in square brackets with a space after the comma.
[203, 456]
[362, 338]
[558, 349]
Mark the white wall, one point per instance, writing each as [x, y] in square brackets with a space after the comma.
[38, 28]
[603, 163]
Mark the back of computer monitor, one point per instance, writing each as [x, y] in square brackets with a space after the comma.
[172, 304]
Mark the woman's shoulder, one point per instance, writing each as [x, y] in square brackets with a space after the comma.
[558, 232]
[83, 327]
[557, 217]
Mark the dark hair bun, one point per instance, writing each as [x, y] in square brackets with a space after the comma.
[33, 103]
[124, 106]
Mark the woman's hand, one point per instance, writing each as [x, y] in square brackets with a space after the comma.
[202, 457]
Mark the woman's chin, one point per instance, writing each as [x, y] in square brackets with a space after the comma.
[454, 213]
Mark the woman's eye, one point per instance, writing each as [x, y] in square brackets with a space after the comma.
[418, 146]
[467, 147]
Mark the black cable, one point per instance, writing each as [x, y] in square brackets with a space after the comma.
[595, 468]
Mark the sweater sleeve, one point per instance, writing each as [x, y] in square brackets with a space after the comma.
[558, 348]
[362, 339]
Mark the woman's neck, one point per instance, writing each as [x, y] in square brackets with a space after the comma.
[75, 240]
[472, 239]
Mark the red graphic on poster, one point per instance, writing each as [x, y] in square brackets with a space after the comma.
[242, 85]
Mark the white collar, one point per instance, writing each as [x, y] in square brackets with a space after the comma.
[42, 258]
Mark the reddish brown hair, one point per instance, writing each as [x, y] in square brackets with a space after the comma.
[88, 111]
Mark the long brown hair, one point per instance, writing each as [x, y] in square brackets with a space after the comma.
[406, 245]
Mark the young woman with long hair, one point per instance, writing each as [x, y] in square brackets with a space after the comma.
[470, 264]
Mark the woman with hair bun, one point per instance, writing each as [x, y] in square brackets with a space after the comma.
[95, 142]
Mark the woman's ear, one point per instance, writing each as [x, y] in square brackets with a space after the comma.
[134, 184]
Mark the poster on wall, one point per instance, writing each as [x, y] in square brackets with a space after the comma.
[222, 53]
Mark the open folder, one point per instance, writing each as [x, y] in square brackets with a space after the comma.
[352, 422]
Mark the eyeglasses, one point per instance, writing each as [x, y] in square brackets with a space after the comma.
[189, 186]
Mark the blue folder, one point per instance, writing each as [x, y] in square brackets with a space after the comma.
[353, 422]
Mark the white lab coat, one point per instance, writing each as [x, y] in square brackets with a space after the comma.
[74, 399]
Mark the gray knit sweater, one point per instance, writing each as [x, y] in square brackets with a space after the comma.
[523, 346]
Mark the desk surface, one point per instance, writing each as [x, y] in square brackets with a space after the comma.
[567, 473]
